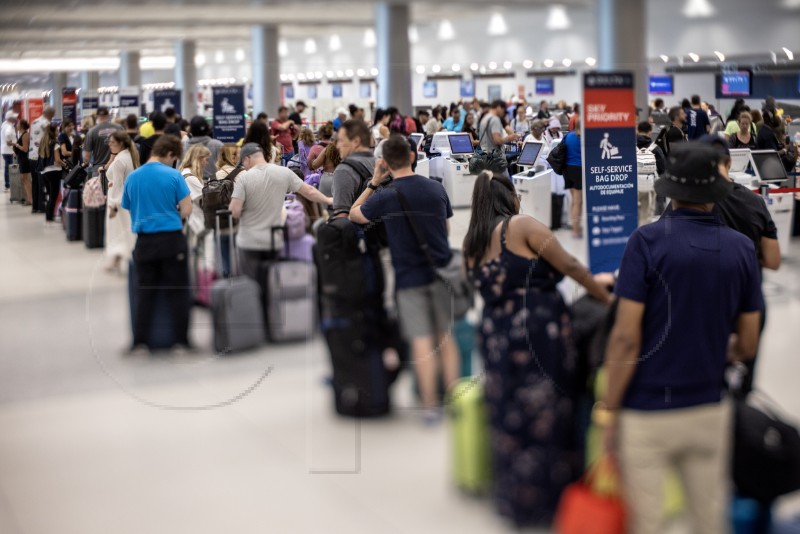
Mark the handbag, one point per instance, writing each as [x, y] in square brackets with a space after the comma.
[593, 504]
[451, 274]
[557, 158]
[766, 452]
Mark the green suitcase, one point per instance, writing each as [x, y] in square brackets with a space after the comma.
[470, 434]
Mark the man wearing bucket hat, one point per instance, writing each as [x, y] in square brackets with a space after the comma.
[686, 283]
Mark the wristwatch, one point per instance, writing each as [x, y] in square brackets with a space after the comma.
[372, 186]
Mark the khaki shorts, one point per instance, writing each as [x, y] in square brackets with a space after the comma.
[425, 311]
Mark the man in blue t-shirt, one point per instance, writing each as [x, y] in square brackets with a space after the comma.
[698, 121]
[158, 199]
[423, 301]
[686, 284]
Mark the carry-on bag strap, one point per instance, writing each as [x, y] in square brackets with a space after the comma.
[423, 243]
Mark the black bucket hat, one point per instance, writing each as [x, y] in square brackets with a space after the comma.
[693, 175]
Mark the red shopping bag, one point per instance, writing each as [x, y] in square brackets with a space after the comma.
[587, 508]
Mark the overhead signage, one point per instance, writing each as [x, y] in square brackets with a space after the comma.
[336, 90]
[90, 101]
[69, 104]
[163, 99]
[467, 89]
[545, 86]
[129, 101]
[609, 166]
[34, 107]
[229, 111]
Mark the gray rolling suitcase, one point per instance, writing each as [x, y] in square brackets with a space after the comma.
[17, 193]
[236, 307]
[290, 296]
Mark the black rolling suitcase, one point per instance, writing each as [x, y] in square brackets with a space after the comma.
[94, 226]
[73, 212]
[556, 210]
[356, 327]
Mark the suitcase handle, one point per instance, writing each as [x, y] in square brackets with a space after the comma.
[232, 242]
[285, 239]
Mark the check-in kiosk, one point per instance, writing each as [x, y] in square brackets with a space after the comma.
[769, 170]
[533, 184]
[742, 167]
[452, 166]
[423, 163]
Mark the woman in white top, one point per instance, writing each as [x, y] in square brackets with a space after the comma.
[119, 236]
[553, 132]
[381, 129]
[192, 167]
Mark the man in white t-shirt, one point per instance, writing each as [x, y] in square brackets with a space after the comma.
[491, 131]
[8, 137]
[257, 199]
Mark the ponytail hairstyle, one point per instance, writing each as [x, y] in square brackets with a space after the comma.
[494, 197]
[48, 138]
[122, 137]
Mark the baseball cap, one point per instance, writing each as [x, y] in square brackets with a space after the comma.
[248, 150]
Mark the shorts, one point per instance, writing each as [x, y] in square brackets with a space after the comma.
[573, 177]
[425, 311]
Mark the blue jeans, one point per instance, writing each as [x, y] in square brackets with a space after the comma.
[286, 157]
[8, 159]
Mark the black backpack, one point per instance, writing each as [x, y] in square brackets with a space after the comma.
[217, 195]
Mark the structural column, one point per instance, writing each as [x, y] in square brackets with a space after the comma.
[186, 77]
[622, 44]
[58, 80]
[90, 80]
[266, 69]
[394, 56]
[130, 73]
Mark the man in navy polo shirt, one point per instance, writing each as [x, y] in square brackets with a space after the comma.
[686, 283]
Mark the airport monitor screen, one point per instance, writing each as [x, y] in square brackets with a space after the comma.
[460, 144]
[740, 159]
[769, 165]
[661, 85]
[530, 151]
[735, 83]
[545, 86]
[417, 139]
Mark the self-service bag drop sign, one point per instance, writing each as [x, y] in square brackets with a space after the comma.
[609, 166]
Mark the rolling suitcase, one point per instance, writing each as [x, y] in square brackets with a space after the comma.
[17, 192]
[236, 306]
[289, 296]
[470, 435]
[94, 226]
[203, 276]
[73, 213]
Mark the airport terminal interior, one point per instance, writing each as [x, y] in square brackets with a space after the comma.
[98, 438]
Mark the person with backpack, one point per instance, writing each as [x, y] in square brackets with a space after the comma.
[355, 170]
[650, 164]
[192, 166]
[217, 195]
[201, 135]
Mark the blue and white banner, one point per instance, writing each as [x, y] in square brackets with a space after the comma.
[336, 90]
[163, 99]
[609, 166]
[90, 101]
[129, 101]
[229, 110]
[467, 89]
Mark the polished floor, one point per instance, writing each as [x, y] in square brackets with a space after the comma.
[94, 443]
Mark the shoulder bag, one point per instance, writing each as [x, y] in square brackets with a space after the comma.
[452, 274]
[557, 158]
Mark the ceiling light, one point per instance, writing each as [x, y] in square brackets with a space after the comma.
[329, 74]
[527, 64]
[694, 57]
[283, 48]
[788, 53]
[317, 75]
[157, 63]
[373, 71]
[349, 73]
[291, 77]
[310, 75]
[369, 38]
[497, 25]
[720, 55]
[483, 70]
[474, 66]
[791, 4]
[361, 73]
[301, 77]
[239, 54]
[698, 9]
[413, 35]
[200, 59]
[664, 58]
[335, 43]
[591, 61]
[456, 67]
[284, 77]
[557, 18]
[566, 62]
[507, 65]
[310, 46]
[492, 65]
[420, 69]
[436, 69]
[219, 57]
[446, 31]
[340, 74]
[548, 63]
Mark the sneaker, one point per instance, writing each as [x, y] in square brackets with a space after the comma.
[137, 351]
[432, 417]
[179, 350]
